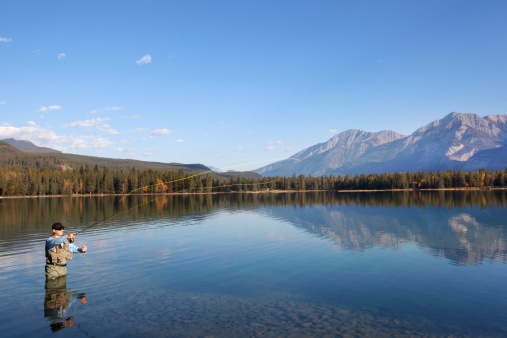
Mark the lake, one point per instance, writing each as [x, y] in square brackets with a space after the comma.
[265, 265]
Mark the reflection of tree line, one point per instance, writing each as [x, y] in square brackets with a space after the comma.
[36, 213]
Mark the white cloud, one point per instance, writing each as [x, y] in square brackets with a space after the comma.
[89, 123]
[148, 153]
[332, 131]
[61, 56]
[47, 138]
[138, 130]
[100, 143]
[280, 142]
[130, 151]
[144, 60]
[289, 149]
[205, 134]
[107, 129]
[113, 108]
[95, 111]
[32, 133]
[3, 102]
[2, 39]
[179, 141]
[238, 149]
[50, 108]
[160, 132]
[79, 143]
[269, 148]
[135, 117]
[249, 132]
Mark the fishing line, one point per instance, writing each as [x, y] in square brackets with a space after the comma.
[177, 180]
[156, 198]
[205, 172]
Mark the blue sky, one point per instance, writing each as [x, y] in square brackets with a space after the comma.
[226, 83]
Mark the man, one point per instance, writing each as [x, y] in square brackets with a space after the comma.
[59, 248]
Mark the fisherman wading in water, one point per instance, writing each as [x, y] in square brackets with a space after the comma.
[59, 248]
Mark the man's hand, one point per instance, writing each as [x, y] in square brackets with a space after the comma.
[69, 236]
[84, 248]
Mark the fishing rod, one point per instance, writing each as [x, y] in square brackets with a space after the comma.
[71, 240]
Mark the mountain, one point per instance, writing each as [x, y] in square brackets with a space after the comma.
[38, 157]
[458, 141]
[28, 146]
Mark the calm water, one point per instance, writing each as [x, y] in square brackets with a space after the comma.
[295, 265]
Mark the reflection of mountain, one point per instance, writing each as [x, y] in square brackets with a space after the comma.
[463, 236]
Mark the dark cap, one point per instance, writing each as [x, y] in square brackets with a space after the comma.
[57, 226]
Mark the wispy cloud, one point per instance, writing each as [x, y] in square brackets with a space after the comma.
[50, 108]
[205, 134]
[239, 149]
[179, 141]
[130, 151]
[3, 102]
[107, 129]
[98, 123]
[138, 130]
[88, 123]
[332, 131]
[134, 117]
[113, 108]
[61, 56]
[269, 148]
[95, 111]
[280, 142]
[144, 60]
[2, 39]
[160, 132]
[100, 143]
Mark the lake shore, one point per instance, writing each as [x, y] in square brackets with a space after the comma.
[253, 192]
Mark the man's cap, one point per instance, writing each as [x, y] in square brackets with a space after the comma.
[58, 226]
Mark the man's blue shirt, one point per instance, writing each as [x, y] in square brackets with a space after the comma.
[51, 243]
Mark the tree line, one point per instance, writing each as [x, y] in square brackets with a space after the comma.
[18, 181]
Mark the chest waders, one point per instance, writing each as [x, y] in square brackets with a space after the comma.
[56, 261]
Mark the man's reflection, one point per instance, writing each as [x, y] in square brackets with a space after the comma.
[58, 301]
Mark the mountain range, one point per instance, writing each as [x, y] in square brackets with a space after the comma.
[457, 141]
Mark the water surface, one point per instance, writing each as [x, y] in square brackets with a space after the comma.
[269, 265]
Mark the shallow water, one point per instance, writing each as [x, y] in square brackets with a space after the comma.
[295, 265]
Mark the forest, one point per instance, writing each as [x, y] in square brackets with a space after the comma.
[87, 180]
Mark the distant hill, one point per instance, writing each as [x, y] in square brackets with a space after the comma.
[28, 146]
[458, 141]
[35, 157]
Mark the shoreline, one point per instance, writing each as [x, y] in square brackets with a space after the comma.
[254, 192]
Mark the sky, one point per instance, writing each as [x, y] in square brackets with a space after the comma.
[240, 84]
